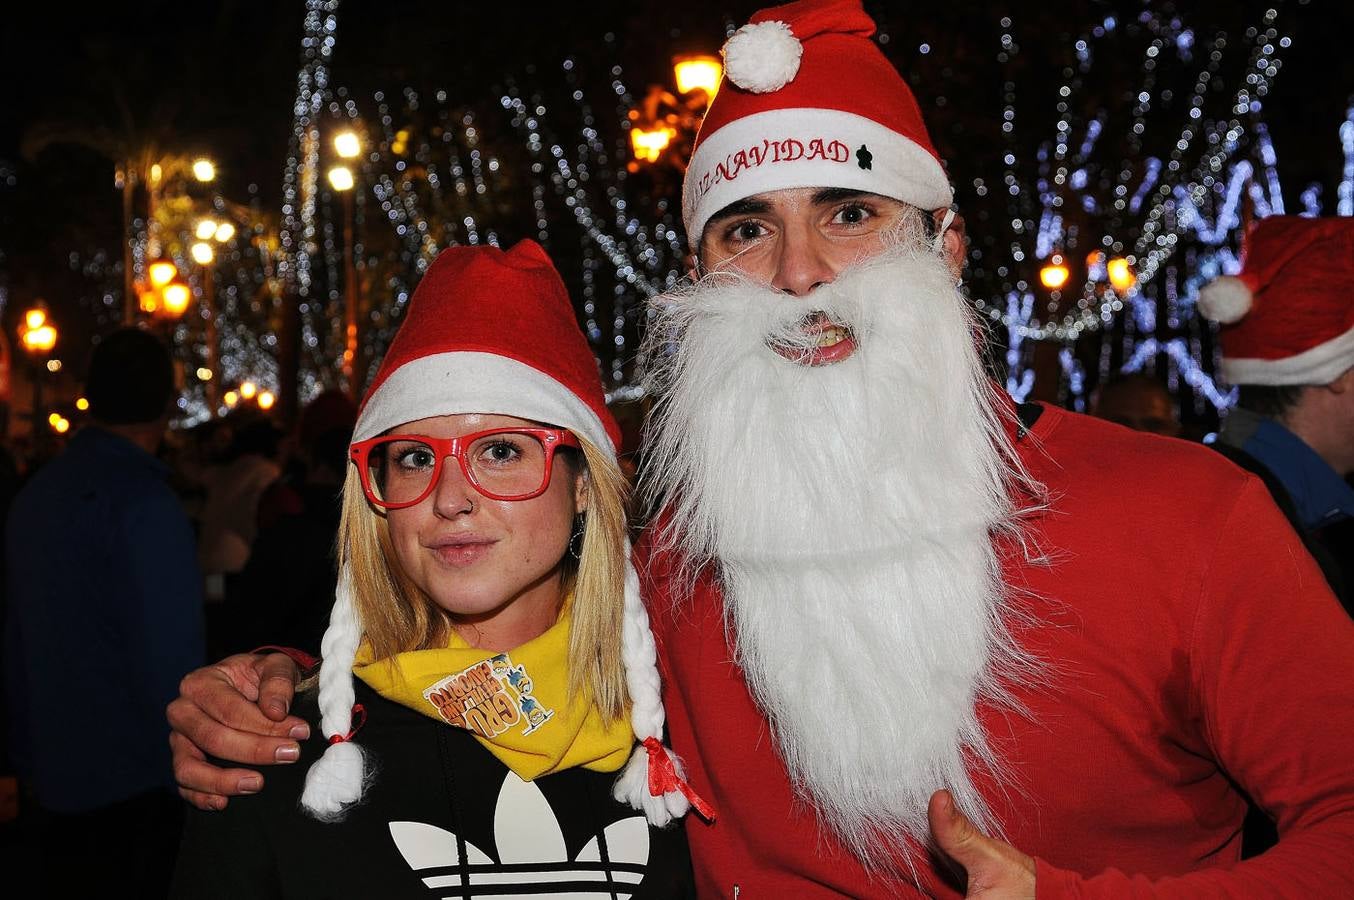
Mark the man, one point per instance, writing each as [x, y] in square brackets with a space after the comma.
[1288, 342]
[105, 617]
[883, 597]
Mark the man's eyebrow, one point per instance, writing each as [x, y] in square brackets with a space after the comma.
[749, 206]
[828, 196]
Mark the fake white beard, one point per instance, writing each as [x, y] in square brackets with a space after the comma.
[849, 510]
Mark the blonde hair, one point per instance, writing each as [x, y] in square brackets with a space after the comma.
[397, 616]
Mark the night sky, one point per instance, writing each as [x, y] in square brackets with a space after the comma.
[219, 78]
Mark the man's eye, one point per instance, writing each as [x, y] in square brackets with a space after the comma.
[854, 214]
[745, 231]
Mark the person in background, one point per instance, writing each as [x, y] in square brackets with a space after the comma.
[283, 594]
[230, 510]
[1288, 343]
[104, 619]
[1137, 400]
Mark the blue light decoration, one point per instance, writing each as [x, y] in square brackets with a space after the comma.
[439, 170]
[1177, 216]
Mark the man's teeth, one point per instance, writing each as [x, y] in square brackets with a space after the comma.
[829, 336]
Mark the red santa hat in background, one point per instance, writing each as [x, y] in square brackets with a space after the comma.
[1288, 317]
[808, 100]
[489, 331]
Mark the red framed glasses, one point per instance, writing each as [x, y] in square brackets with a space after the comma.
[400, 470]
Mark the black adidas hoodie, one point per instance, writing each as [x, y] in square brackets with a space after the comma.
[441, 818]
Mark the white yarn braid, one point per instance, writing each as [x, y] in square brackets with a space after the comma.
[640, 657]
[335, 779]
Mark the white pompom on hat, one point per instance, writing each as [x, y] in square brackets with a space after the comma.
[489, 331]
[1226, 299]
[1288, 316]
[809, 101]
[762, 56]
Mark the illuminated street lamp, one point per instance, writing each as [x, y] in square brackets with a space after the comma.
[664, 125]
[224, 232]
[203, 169]
[38, 337]
[248, 389]
[162, 272]
[649, 144]
[266, 400]
[1055, 274]
[38, 334]
[341, 179]
[206, 228]
[698, 72]
[1121, 274]
[347, 144]
[177, 297]
[202, 252]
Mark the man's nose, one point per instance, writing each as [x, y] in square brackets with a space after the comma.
[804, 262]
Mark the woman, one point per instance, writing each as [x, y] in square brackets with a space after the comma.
[488, 607]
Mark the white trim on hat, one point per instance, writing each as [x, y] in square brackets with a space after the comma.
[800, 148]
[460, 382]
[1320, 365]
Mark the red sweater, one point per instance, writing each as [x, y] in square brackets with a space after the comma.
[1195, 650]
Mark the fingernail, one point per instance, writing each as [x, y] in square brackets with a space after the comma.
[250, 784]
[299, 732]
[217, 803]
[279, 707]
[288, 753]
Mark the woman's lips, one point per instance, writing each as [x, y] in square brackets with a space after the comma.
[462, 551]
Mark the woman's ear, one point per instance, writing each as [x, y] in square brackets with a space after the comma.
[581, 491]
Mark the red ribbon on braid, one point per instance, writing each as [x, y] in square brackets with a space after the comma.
[663, 778]
[360, 714]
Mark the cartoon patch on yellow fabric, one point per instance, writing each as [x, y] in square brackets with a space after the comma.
[488, 698]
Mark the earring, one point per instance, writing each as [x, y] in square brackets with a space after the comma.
[576, 539]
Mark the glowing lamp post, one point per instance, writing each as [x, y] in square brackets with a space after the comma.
[665, 124]
[649, 145]
[177, 296]
[347, 144]
[1055, 274]
[698, 73]
[161, 273]
[341, 179]
[204, 170]
[1121, 274]
[38, 337]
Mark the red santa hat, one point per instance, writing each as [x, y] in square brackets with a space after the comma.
[808, 100]
[1288, 317]
[489, 331]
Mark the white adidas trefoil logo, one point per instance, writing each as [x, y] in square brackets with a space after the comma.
[531, 853]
